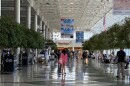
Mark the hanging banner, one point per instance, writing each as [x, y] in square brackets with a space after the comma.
[67, 32]
[67, 23]
[67, 28]
[79, 36]
[121, 7]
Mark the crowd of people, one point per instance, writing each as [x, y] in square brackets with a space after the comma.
[63, 56]
[119, 58]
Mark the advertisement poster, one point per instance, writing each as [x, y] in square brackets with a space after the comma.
[67, 32]
[79, 36]
[121, 7]
[67, 28]
[67, 23]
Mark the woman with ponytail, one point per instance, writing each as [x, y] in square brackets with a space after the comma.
[63, 60]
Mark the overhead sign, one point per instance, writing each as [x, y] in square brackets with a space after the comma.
[64, 43]
[67, 43]
[67, 32]
[79, 36]
[121, 7]
[67, 28]
[67, 23]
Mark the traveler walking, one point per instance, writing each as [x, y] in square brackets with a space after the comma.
[63, 60]
[120, 63]
[31, 58]
[47, 57]
[85, 57]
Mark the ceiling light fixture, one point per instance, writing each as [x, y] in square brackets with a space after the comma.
[71, 3]
[70, 10]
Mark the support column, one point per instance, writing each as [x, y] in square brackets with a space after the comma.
[28, 23]
[17, 11]
[44, 31]
[35, 25]
[43, 28]
[35, 22]
[73, 39]
[17, 19]
[29, 17]
[40, 25]
[0, 9]
[0, 18]
[48, 33]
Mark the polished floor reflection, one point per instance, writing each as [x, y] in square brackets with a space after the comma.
[77, 74]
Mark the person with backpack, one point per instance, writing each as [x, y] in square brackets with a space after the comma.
[84, 56]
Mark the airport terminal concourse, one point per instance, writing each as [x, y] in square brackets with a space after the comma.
[64, 42]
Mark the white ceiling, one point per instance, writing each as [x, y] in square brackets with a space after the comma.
[86, 13]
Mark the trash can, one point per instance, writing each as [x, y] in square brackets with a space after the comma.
[7, 65]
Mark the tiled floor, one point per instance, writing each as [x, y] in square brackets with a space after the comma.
[77, 74]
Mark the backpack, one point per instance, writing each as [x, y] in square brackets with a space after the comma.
[84, 54]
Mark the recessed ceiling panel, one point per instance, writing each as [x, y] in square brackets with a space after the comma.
[86, 13]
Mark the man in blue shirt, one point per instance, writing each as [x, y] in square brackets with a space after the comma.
[120, 63]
